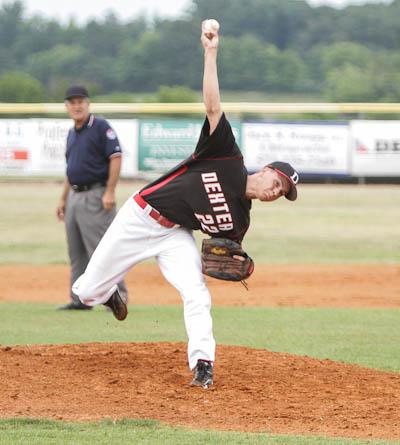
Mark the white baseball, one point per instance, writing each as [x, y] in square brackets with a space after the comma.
[211, 25]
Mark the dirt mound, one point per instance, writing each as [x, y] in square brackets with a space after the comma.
[255, 390]
[271, 285]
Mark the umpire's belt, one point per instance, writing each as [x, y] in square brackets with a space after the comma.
[155, 214]
[85, 187]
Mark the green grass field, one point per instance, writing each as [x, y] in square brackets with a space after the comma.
[368, 337]
[328, 224]
[149, 432]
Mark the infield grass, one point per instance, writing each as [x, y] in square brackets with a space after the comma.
[367, 337]
[149, 432]
[327, 224]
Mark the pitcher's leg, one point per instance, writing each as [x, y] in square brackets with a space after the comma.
[180, 263]
[123, 245]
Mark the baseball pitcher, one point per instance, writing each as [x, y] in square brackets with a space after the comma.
[210, 191]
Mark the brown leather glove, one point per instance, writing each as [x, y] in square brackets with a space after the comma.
[225, 259]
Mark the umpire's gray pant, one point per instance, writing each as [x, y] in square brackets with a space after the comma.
[86, 221]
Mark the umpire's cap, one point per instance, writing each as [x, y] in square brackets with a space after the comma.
[76, 91]
[287, 171]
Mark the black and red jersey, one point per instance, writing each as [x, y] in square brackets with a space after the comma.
[207, 190]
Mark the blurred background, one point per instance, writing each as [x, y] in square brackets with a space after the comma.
[295, 76]
[293, 50]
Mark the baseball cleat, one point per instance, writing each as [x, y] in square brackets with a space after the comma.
[203, 374]
[117, 306]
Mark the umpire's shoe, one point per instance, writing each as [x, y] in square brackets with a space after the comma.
[203, 374]
[117, 306]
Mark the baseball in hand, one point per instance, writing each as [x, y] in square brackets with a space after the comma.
[211, 25]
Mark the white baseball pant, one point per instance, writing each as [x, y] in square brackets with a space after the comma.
[133, 237]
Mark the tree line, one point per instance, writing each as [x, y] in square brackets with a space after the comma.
[275, 46]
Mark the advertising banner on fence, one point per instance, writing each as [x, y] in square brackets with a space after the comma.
[48, 145]
[16, 137]
[127, 132]
[375, 148]
[37, 146]
[315, 148]
[165, 143]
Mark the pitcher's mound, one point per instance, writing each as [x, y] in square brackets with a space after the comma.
[255, 390]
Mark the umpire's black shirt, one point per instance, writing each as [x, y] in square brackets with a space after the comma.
[208, 190]
[89, 150]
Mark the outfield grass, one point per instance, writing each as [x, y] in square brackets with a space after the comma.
[328, 224]
[368, 337]
[37, 432]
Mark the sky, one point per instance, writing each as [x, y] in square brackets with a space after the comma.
[83, 10]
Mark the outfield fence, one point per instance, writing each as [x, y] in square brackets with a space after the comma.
[356, 148]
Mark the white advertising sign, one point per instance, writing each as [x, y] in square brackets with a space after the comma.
[309, 147]
[48, 154]
[127, 132]
[375, 148]
[37, 146]
[16, 140]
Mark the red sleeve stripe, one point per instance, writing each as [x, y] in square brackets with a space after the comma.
[162, 183]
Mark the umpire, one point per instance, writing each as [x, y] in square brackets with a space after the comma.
[87, 202]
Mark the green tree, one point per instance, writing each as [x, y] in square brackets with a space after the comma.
[11, 24]
[138, 62]
[60, 61]
[341, 54]
[57, 88]
[177, 94]
[169, 56]
[274, 21]
[372, 25]
[385, 72]
[355, 73]
[103, 37]
[20, 87]
[350, 84]
[11, 19]
[243, 62]
[288, 73]
[35, 35]
[274, 45]
[319, 29]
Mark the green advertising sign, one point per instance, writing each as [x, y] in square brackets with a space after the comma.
[165, 143]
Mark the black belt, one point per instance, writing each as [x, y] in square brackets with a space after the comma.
[85, 187]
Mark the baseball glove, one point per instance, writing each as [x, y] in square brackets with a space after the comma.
[225, 259]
